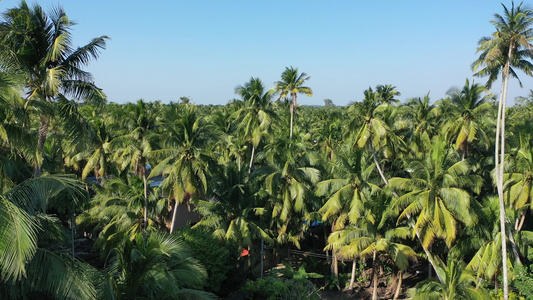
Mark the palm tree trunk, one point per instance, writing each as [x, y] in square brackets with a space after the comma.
[72, 228]
[377, 164]
[44, 123]
[292, 117]
[399, 287]
[374, 277]
[520, 223]
[500, 166]
[174, 216]
[426, 251]
[514, 248]
[262, 253]
[251, 159]
[145, 186]
[335, 266]
[352, 279]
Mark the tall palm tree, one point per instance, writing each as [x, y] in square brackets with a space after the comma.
[436, 195]
[469, 110]
[136, 143]
[366, 240]
[185, 156]
[369, 130]
[255, 116]
[231, 210]
[38, 47]
[292, 84]
[507, 49]
[423, 116]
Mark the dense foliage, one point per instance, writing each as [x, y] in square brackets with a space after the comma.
[91, 191]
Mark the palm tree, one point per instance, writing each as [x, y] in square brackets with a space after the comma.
[458, 283]
[468, 110]
[288, 178]
[436, 196]
[231, 210]
[423, 116]
[347, 192]
[116, 212]
[367, 240]
[39, 48]
[369, 130]
[153, 266]
[507, 49]
[255, 116]
[136, 143]
[27, 264]
[185, 157]
[292, 84]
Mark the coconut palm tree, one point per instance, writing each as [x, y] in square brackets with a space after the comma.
[506, 50]
[423, 116]
[367, 128]
[367, 240]
[292, 84]
[255, 116]
[458, 283]
[135, 144]
[153, 266]
[29, 266]
[469, 110]
[231, 210]
[38, 47]
[185, 156]
[436, 196]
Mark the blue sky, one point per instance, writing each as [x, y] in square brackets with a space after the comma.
[162, 50]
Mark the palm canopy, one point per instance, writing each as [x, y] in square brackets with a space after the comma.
[435, 194]
[458, 284]
[27, 267]
[508, 47]
[292, 84]
[256, 115]
[349, 189]
[38, 48]
[153, 266]
[468, 109]
[423, 116]
[232, 208]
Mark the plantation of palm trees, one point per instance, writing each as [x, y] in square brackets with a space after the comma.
[380, 199]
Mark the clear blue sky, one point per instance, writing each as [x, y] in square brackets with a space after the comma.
[162, 50]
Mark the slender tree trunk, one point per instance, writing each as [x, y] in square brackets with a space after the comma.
[352, 279]
[72, 229]
[496, 283]
[500, 166]
[377, 164]
[426, 251]
[514, 248]
[174, 216]
[292, 117]
[145, 186]
[262, 253]
[519, 225]
[430, 267]
[44, 123]
[399, 287]
[374, 277]
[335, 266]
[251, 159]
